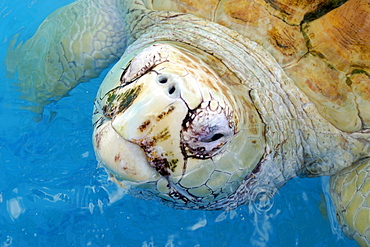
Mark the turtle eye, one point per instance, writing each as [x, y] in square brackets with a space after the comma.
[206, 131]
[213, 138]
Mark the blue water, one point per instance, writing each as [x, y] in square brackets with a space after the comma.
[52, 193]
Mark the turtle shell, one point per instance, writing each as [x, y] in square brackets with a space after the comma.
[323, 45]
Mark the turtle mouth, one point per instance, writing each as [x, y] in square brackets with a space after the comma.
[203, 134]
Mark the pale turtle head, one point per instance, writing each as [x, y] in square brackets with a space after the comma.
[172, 122]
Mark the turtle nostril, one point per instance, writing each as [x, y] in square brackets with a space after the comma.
[168, 83]
[171, 90]
[163, 79]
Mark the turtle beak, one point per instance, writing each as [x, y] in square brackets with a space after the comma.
[153, 122]
[117, 155]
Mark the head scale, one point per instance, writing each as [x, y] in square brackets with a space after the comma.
[174, 123]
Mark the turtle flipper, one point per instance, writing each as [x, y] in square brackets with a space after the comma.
[350, 191]
[72, 45]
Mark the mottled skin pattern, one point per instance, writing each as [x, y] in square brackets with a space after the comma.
[199, 116]
[351, 196]
[85, 46]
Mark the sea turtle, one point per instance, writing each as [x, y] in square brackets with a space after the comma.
[213, 104]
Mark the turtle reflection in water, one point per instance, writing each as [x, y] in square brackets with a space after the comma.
[213, 103]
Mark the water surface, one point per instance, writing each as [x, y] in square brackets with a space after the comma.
[52, 193]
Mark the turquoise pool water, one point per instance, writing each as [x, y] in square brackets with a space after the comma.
[52, 193]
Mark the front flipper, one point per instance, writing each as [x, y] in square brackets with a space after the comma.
[350, 191]
[72, 45]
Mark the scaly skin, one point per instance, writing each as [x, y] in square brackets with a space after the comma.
[298, 140]
[211, 118]
[73, 45]
[350, 190]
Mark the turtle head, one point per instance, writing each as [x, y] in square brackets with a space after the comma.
[172, 122]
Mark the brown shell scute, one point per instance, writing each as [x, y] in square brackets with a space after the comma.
[294, 12]
[360, 84]
[342, 37]
[251, 19]
[341, 40]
